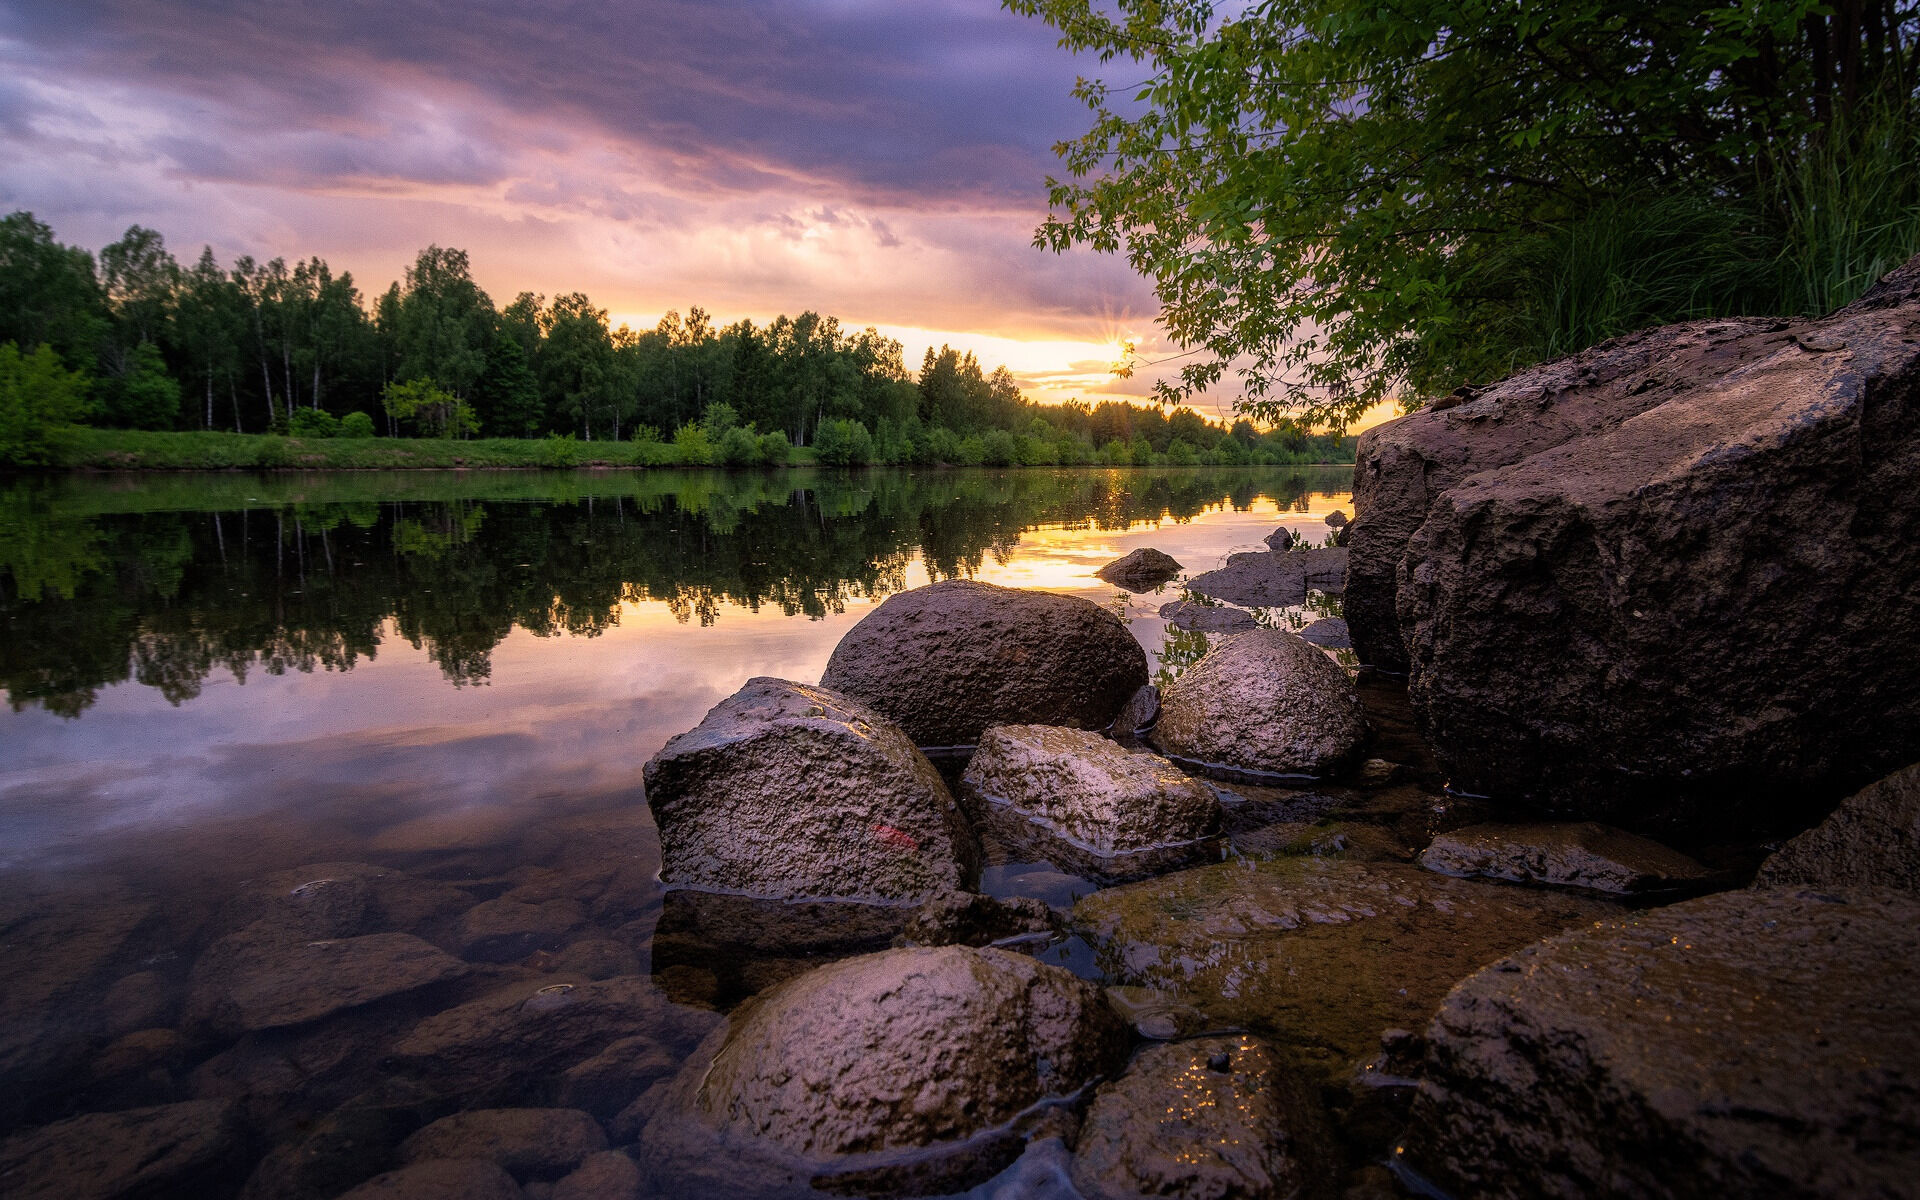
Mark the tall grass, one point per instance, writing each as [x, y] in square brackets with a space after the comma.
[1848, 209]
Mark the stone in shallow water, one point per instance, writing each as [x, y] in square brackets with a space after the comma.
[186, 1149]
[1263, 702]
[786, 791]
[948, 660]
[971, 919]
[1871, 840]
[1756, 1043]
[1142, 709]
[1206, 1119]
[1583, 854]
[539, 1143]
[1207, 618]
[441, 1179]
[1141, 570]
[1329, 633]
[855, 1069]
[1267, 580]
[1088, 790]
[507, 929]
[255, 979]
[609, 1175]
[1322, 955]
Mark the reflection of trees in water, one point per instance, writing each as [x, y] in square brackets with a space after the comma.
[294, 582]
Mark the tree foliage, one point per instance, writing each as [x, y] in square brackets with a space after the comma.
[1341, 200]
[39, 400]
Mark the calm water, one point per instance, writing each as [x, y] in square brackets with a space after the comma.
[212, 680]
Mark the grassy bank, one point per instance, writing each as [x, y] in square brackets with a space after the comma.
[128, 449]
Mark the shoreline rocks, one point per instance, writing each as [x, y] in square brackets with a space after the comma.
[1140, 570]
[791, 792]
[1585, 855]
[1871, 840]
[1757, 1043]
[1272, 579]
[1207, 618]
[1262, 702]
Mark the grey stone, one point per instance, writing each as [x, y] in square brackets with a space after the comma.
[441, 1179]
[1755, 1043]
[1262, 702]
[950, 659]
[786, 791]
[1174, 1126]
[1140, 570]
[1580, 855]
[255, 979]
[1207, 618]
[1871, 840]
[1268, 580]
[193, 1148]
[1089, 791]
[1328, 632]
[1280, 540]
[541, 1143]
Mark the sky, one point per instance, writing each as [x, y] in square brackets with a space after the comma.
[882, 161]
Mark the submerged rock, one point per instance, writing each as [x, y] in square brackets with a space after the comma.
[1760, 1043]
[189, 1149]
[950, 659]
[1220, 1118]
[506, 929]
[1141, 570]
[1585, 855]
[851, 1072]
[970, 919]
[441, 1179]
[609, 1175]
[1263, 702]
[1871, 840]
[786, 791]
[255, 979]
[1270, 580]
[1207, 618]
[1669, 578]
[1329, 633]
[537, 1143]
[1320, 954]
[1089, 791]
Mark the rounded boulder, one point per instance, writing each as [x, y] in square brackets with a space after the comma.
[1263, 702]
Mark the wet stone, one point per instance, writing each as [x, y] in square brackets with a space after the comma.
[1329, 633]
[194, 1148]
[1319, 954]
[598, 958]
[1140, 570]
[1582, 855]
[1269, 580]
[1262, 702]
[441, 1179]
[1199, 617]
[538, 1143]
[255, 980]
[1280, 540]
[137, 1001]
[609, 1175]
[614, 1078]
[971, 919]
[1750, 1043]
[1871, 840]
[1141, 711]
[1210, 1119]
[507, 929]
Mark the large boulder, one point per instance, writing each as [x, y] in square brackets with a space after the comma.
[1218, 1118]
[950, 659]
[1676, 576]
[1762, 1043]
[1272, 579]
[1141, 570]
[787, 791]
[1583, 854]
[1871, 840]
[851, 1069]
[1090, 791]
[1262, 702]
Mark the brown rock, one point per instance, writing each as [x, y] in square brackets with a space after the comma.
[1687, 596]
[1089, 791]
[255, 979]
[1218, 1118]
[170, 1150]
[609, 1175]
[615, 1077]
[1207, 618]
[1268, 580]
[541, 1143]
[1262, 702]
[1141, 711]
[1585, 855]
[441, 1179]
[970, 919]
[950, 659]
[1871, 840]
[786, 791]
[1140, 570]
[507, 929]
[1280, 540]
[1759, 1043]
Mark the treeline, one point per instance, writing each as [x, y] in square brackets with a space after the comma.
[133, 339]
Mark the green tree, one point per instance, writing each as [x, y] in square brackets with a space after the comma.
[444, 323]
[39, 400]
[1339, 200]
[507, 396]
[433, 410]
[143, 395]
[209, 327]
[49, 293]
[840, 442]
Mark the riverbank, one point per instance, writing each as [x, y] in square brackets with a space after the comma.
[145, 450]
